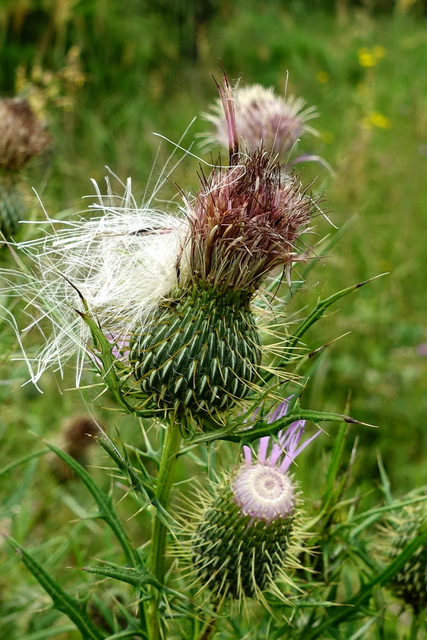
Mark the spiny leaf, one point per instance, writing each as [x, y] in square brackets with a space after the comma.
[264, 428]
[137, 482]
[104, 503]
[73, 608]
[317, 313]
[380, 579]
[137, 577]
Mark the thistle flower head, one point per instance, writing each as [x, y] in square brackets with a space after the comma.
[176, 289]
[410, 584]
[262, 117]
[245, 532]
[245, 221]
[22, 136]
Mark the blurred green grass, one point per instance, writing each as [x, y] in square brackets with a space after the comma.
[134, 70]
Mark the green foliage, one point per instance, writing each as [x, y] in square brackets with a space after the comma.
[139, 68]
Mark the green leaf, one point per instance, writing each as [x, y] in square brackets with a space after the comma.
[137, 577]
[74, 609]
[105, 506]
[264, 428]
[27, 458]
[48, 633]
[382, 578]
[316, 314]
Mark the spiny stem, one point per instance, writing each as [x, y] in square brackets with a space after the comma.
[168, 460]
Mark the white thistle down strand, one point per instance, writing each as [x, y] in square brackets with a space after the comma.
[117, 266]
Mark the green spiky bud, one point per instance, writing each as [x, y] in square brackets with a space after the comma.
[410, 584]
[200, 352]
[237, 555]
[246, 528]
[12, 206]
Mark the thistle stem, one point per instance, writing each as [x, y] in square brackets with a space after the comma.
[168, 460]
[413, 634]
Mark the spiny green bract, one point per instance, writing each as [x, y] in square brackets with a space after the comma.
[236, 555]
[410, 583]
[199, 353]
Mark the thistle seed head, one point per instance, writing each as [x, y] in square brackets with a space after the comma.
[22, 136]
[262, 117]
[176, 289]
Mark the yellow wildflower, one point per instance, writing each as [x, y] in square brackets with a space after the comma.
[376, 119]
[366, 58]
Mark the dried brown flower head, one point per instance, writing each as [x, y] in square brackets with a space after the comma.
[245, 222]
[78, 435]
[22, 136]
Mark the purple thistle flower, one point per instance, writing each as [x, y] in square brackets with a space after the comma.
[248, 534]
[262, 487]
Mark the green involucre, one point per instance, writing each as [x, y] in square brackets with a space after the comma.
[235, 555]
[200, 353]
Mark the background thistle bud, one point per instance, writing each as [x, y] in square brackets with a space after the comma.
[12, 204]
[77, 435]
[410, 584]
[21, 138]
[245, 532]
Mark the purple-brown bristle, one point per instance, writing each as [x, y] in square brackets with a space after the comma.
[245, 221]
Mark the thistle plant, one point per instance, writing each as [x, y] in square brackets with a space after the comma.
[180, 314]
[22, 137]
[183, 300]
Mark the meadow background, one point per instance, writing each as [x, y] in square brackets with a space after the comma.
[106, 75]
